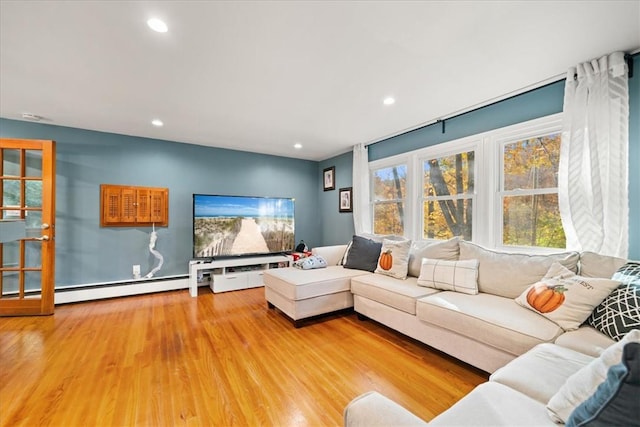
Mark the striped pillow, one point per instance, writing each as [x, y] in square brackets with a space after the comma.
[457, 276]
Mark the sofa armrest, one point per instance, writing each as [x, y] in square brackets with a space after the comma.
[373, 409]
[332, 254]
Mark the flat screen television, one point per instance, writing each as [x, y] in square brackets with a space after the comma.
[228, 226]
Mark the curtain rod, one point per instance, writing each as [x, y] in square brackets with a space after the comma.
[628, 57]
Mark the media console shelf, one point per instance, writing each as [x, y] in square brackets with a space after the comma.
[234, 273]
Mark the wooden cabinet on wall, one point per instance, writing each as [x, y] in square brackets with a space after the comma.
[127, 206]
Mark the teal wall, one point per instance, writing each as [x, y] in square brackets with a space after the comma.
[87, 253]
[337, 227]
[531, 105]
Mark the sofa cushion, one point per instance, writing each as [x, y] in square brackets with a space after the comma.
[493, 320]
[332, 254]
[615, 402]
[373, 409]
[583, 383]
[398, 253]
[596, 265]
[448, 249]
[619, 313]
[363, 254]
[566, 298]
[585, 340]
[507, 274]
[296, 284]
[493, 404]
[399, 294]
[457, 276]
[541, 371]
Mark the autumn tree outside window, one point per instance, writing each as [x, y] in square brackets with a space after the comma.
[447, 198]
[389, 193]
[529, 192]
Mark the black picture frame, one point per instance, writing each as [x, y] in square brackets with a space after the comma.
[345, 199]
[329, 178]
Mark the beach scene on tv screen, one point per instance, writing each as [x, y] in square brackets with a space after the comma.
[227, 225]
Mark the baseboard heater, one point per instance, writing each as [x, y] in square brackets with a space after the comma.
[95, 291]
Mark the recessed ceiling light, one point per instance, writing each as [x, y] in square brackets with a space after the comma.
[157, 25]
[388, 101]
[297, 146]
[157, 122]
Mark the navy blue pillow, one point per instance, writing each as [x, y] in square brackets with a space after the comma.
[363, 254]
[616, 401]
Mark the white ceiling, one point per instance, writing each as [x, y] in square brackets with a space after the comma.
[262, 75]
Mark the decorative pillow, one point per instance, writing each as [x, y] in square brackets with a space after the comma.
[310, 263]
[378, 238]
[363, 254]
[615, 402]
[447, 249]
[566, 298]
[457, 276]
[583, 383]
[508, 274]
[620, 311]
[394, 258]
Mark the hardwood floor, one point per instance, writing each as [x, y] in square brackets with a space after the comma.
[168, 359]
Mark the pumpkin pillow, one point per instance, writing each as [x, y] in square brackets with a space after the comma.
[566, 298]
[394, 258]
[457, 276]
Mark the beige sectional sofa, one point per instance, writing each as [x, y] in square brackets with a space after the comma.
[486, 330]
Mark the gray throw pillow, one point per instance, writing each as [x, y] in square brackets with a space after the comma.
[363, 254]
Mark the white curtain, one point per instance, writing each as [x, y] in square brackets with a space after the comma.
[361, 208]
[593, 176]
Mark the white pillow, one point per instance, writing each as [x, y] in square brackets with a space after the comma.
[582, 384]
[398, 250]
[457, 276]
[566, 298]
[444, 249]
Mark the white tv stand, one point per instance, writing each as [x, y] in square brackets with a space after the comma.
[235, 273]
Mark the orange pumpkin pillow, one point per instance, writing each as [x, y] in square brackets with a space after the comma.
[566, 298]
[394, 258]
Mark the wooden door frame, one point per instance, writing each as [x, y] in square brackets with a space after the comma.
[45, 304]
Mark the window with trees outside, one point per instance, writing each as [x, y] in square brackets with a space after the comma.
[498, 189]
[447, 196]
[389, 191]
[529, 192]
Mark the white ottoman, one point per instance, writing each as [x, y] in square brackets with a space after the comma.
[301, 294]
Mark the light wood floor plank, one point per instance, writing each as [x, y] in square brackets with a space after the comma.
[226, 359]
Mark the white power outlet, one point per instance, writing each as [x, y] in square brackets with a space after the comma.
[136, 270]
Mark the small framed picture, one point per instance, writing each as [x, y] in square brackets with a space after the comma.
[329, 178]
[345, 199]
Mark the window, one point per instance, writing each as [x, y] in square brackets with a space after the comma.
[498, 189]
[529, 192]
[447, 196]
[389, 189]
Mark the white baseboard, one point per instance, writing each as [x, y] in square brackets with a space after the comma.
[102, 291]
